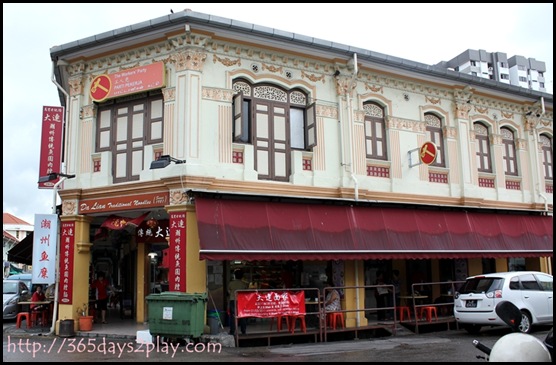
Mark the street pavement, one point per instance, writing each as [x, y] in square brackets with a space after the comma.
[440, 346]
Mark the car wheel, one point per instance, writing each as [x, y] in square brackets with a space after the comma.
[472, 328]
[525, 325]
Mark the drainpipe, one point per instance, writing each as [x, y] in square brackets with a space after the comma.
[357, 319]
[57, 281]
[545, 201]
[352, 175]
[536, 141]
[350, 124]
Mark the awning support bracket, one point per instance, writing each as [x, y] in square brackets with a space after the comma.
[409, 153]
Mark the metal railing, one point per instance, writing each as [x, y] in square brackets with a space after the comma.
[367, 316]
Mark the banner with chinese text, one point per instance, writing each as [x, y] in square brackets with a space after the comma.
[67, 251]
[153, 231]
[51, 143]
[45, 237]
[270, 304]
[177, 243]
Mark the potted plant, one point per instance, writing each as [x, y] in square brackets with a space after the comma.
[85, 320]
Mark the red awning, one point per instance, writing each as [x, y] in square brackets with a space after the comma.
[254, 230]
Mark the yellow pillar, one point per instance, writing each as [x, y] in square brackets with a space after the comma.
[474, 267]
[81, 262]
[545, 265]
[195, 269]
[501, 265]
[354, 298]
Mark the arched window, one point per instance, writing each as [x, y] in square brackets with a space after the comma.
[435, 135]
[547, 160]
[484, 159]
[276, 121]
[509, 154]
[375, 131]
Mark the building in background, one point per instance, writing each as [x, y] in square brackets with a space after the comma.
[516, 70]
[15, 231]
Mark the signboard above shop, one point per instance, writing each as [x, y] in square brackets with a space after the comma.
[126, 82]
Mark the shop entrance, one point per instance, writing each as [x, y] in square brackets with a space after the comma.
[112, 255]
[268, 274]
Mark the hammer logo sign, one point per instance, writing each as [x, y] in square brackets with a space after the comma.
[428, 152]
[100, 87]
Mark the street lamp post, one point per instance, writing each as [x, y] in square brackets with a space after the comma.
[43, 179]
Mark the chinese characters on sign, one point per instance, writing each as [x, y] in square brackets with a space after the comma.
[152, 231]
[67, 242]
[44, 248]
[51, 143]
[177, 244]
[270, 304]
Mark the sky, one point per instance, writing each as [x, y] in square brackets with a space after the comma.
[425, 33]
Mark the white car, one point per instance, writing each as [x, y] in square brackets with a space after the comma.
[530, 291]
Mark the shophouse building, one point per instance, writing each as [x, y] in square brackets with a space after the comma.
[233, 145]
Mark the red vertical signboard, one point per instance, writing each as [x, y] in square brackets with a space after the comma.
[51, 143]
[176, 273]
[67, 243]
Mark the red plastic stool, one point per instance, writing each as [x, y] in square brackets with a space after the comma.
[19, 318]
[35, 317]
[428, 311]
[279, 322]
[301, 318]
[404, 310]
[333, 319]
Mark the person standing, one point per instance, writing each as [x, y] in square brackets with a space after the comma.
[102, 286]
[381, 295]
[394, 302]
[236, 284]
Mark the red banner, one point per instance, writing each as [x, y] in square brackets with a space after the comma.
[67, 252]
[51, 143]
[177, 244]
[115, 222]
[270, 304]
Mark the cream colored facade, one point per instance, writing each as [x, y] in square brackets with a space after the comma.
[201, 62]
